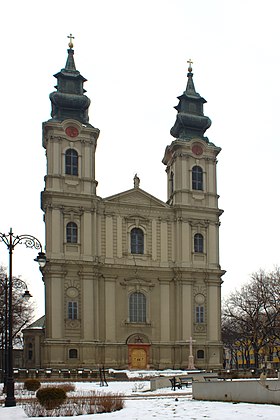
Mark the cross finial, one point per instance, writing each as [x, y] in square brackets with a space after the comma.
[71, 37]
[190, 62]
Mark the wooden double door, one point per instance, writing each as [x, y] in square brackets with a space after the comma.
[138, 356]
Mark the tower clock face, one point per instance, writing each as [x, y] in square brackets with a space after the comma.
[71, 131]
[197, 149]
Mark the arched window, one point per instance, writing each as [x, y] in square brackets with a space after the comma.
[137, 241]
[197, 178]
[200, 354]
[73, 353]
[71, 162]
[71, 233]
[137, 307]
[30, 351]
[198, 242]
[199, 314]
[171, 183]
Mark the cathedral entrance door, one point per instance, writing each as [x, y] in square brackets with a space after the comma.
[138, 352]
[138, 358]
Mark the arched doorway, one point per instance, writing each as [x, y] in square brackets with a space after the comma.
[138, 352]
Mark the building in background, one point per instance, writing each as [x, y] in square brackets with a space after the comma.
[129, 278]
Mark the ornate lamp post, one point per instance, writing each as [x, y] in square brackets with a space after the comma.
[4, 288]
[17, 283]
[11, 240]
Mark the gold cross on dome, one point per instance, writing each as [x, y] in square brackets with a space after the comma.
[190, 62]
[71, 37]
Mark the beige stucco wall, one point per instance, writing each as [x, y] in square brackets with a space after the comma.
[99, 272]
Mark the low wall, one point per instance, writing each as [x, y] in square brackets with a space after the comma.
[160, 382]
[255, 391]
[164, 381]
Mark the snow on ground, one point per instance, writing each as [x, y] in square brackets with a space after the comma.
[144, 404]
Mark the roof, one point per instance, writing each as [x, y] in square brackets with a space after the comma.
[39, 323]
[136, 196]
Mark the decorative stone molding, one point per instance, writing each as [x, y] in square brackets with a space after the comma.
[73, 323]
[199, 298]
[200, 328]
[137, 282]
[200, 289]
[201, 223]
[72, 292]
[71, 210]
[71, 283]
[137, 220]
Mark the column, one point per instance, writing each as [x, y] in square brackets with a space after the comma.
[163, 241]
[119, 237]
[109, 236]
[87, 237]
[87, 307]
[213, 315]
[212, 249]
[186, 245]
[56, 227]
[56, 301]
[187, 310]
[164, 312]
[154, 240]
[110, 309]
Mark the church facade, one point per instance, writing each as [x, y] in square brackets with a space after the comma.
[129, 279]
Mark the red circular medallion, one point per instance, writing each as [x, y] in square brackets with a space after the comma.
[197, 149]
[72, 131]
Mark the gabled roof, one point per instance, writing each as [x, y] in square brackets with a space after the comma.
[39, 323]
[136, 196]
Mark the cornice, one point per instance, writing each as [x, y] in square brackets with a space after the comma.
[59, 139]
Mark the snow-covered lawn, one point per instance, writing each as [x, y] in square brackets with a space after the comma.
[142, 404]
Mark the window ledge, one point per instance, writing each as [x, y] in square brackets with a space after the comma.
[72, 180]
[136, 256]
[138, 324]
[198, 195]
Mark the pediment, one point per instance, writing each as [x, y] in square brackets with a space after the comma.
[138, 197]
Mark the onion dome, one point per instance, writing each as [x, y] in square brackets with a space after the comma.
[190, 121]
[69, 101]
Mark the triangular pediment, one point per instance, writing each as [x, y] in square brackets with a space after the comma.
[136, 196]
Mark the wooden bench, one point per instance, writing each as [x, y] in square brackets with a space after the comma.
[175, 383]
[185, 381]
[180, 382]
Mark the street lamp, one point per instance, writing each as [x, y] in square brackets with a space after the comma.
[4, 289]
[11, 240]
[18, 284]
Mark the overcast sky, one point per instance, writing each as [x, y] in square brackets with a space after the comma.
[134, 55]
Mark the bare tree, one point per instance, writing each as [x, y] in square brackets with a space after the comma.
[253, 314]
[23, 309]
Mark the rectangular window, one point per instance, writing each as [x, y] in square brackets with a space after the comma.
[199, 314]
[137, 307]
[73, 310]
